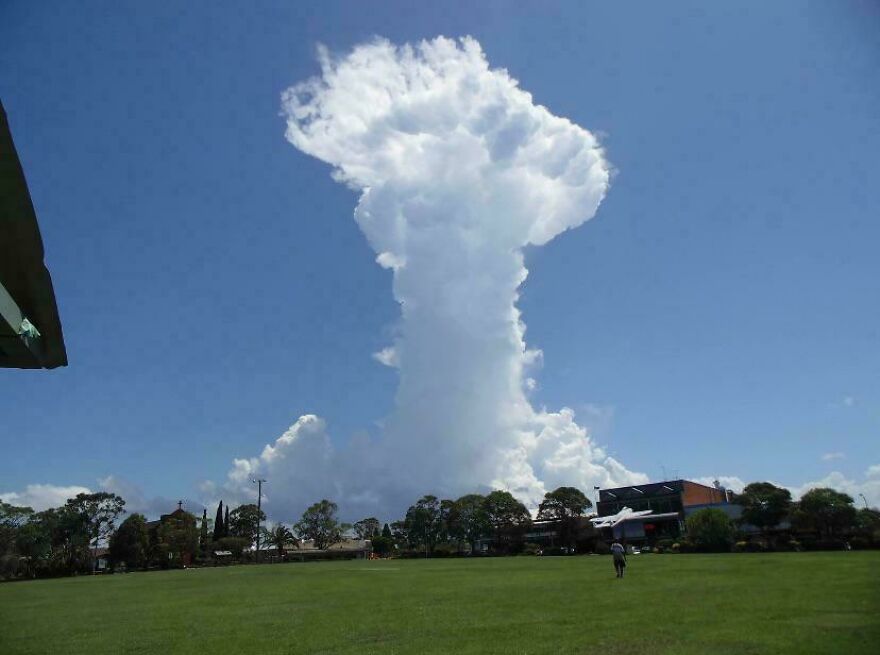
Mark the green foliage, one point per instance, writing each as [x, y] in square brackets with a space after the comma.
[764, 504]
[367, 528]
[530, 549]
[446, 549]
[423, 522]
[130, 544]
[509, 520]
[468, 519]
[565, 505]
[11, 520]
[710, 530]
[382, 545]
[319, 524]
[828, 512]
[178, 539]
[219, 532]
[61, 542]
[204, 542]
[280, 537]
[868, 526]
[244, 522]
[97, 513]
[400, 534]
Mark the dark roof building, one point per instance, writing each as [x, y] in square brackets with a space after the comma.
[668, 502]
[30, 330]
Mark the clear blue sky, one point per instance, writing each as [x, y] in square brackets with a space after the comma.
[721, 310]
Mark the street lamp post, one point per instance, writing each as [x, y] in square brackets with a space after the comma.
[259, 484]
[864, 500]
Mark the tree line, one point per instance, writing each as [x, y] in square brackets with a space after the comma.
[771, 519]
[72, 538]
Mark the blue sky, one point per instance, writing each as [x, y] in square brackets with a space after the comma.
[719, 316]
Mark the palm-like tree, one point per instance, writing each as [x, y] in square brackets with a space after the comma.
[279, 536]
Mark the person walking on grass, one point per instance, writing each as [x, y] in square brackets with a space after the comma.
[619, 554]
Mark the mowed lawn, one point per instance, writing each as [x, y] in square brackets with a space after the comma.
[707, 604]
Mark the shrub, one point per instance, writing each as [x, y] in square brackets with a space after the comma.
[795, 545]
[860, 543]
[445, 550]
[602, 548]
[531, 549]
[676, 548]
[740, 546]
[558, 550]
[709, 530]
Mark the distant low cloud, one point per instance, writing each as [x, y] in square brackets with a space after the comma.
[731, 482]
[150, 506]
[827, 457]
[868, 485]
[42, 496]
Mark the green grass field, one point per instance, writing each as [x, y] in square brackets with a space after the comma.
[706, 604]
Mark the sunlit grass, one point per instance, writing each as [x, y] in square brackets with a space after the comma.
[749, 603]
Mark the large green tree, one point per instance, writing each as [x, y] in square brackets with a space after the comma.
[565, 505]
[367, 528]
[710, 530]
[98, 513]
[868, 525]
[60, 539]
[424, 522]
[319, 523]
[509, 519]
[829, 512]
[130, 544]
[383, 543]
[244, 521]
[764, 504]
[12, 518]
[469, 520]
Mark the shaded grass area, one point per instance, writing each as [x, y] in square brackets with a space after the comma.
[733, 603]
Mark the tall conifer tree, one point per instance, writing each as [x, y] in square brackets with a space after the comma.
[203, 535]
[226, 523]
[218, 522]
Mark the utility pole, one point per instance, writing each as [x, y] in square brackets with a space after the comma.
[259, 484]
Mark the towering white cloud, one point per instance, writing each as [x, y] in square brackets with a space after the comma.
[458, 171]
